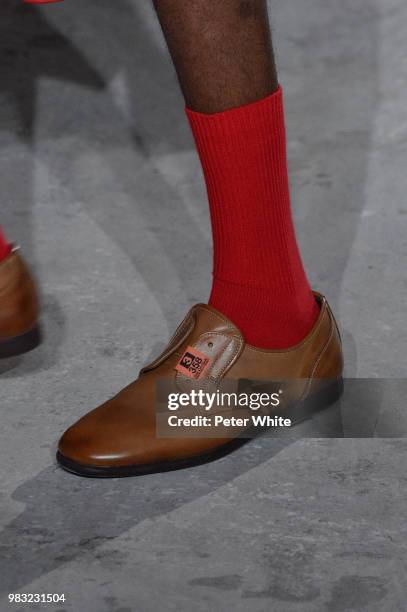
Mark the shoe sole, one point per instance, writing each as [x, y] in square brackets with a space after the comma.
[18, 345]
[303, 411]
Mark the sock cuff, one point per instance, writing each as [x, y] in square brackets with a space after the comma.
[265, 112]
[248, 129]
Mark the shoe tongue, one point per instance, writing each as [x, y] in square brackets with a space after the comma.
[210, 347]
[207, 335]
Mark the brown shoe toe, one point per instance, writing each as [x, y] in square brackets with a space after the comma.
[115, 440]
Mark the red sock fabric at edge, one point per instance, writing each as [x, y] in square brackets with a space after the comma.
[258, 278]
[5, 248]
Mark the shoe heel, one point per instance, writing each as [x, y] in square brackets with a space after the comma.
[325, 397]
[18, 345]
[330, 394]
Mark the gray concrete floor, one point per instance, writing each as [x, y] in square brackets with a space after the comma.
[102, 187]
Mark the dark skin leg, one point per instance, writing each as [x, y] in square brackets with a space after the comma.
[221, 50]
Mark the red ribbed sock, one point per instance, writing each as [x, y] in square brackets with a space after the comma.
[5, 248]
[258, 278]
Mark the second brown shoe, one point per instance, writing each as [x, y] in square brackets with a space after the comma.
[120, 438]
[19, 307]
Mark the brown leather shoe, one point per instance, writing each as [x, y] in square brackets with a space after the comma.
[19, 310]
[120, 439]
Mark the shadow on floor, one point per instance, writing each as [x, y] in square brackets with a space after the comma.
[66, 516]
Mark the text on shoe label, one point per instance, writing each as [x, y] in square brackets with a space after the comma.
[193, 363]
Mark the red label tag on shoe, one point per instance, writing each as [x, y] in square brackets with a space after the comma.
[193, 363]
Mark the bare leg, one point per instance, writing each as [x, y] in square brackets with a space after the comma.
[221, 49]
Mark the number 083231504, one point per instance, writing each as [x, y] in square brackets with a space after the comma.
[36, 598]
